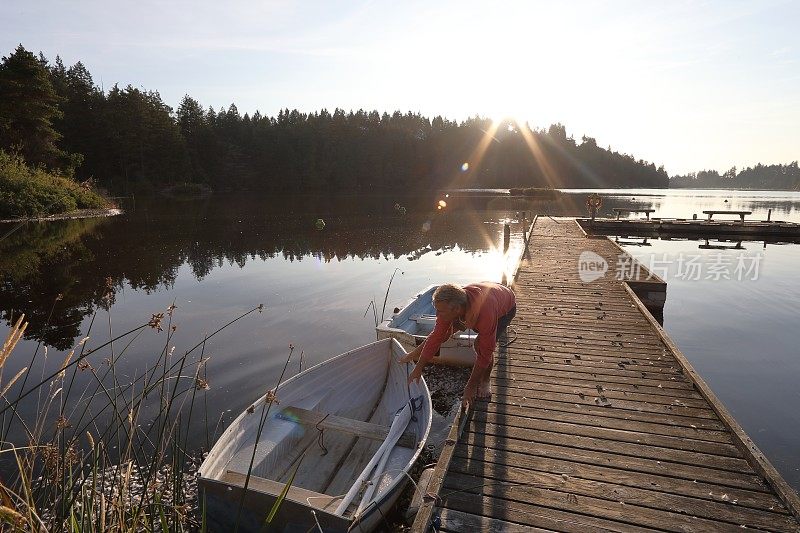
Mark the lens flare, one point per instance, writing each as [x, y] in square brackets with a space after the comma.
[464, 167]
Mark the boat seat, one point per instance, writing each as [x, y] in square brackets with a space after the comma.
[424, 319]
[240, 461]
[275, 488]
[350, 426]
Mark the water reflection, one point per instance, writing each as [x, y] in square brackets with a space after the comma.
[47, 270]
[59, 273]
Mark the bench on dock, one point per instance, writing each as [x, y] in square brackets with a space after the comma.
[619, 210]
[709, 246]
[741, 214]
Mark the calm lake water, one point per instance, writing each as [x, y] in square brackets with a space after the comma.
[219, 257]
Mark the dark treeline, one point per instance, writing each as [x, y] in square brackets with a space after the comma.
[127, 138]
[765, 177]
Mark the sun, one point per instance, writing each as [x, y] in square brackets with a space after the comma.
[507, 123]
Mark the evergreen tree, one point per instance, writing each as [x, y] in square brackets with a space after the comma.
[28, 106]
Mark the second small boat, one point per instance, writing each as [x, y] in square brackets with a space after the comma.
[412, 324]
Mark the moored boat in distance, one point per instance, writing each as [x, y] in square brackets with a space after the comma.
[342, 435]
[412, 323]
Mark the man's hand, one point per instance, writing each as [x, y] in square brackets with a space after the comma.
[413, 355]
[408, 358]
[469, 394]
[415, 374]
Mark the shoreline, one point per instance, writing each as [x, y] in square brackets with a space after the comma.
[72, 215]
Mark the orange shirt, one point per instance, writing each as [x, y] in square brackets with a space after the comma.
[486, 303]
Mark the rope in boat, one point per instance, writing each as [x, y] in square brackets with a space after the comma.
[508, 343]
[321, 436]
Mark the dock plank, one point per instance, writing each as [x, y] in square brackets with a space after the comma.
[573, 374]
[588, 407]
[663, 483]
[631, 515]
[458, 522]
[615, 434]
[688, 472]
[607, 422]
[623, 494]
[531, 435]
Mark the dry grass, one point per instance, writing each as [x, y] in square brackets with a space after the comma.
[106, 455]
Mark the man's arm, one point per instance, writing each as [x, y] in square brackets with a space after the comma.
[427, 349]
[416, 354]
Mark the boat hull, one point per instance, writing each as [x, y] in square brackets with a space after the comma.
[221, 502]
[367, 376]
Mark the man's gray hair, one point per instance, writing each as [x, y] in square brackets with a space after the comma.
[452, 294]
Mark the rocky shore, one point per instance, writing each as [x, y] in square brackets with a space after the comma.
[80, 213]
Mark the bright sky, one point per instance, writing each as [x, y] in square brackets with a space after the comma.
[687, 84]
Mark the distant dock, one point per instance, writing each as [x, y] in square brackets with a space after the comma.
[752, 230]
[598, 422]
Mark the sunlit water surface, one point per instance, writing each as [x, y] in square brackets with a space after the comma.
[219, 257]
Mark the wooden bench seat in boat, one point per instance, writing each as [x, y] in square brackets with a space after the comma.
[350, 426]
[423, 319]
[275, 488]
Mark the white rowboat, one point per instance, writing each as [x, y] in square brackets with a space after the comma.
[348, 429]
[412, 323]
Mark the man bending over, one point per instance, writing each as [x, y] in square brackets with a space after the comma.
[486, 308]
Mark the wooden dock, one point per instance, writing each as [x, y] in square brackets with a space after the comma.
[597, 421]
[749, 230]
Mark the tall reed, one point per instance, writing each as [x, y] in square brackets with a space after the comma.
[102, 451]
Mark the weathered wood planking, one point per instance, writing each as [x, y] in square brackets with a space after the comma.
[598, 422]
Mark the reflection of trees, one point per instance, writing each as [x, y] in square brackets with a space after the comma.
[22, 252]
[146, 248]
[783, 207]
[42, 266]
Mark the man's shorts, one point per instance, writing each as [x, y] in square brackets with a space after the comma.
[504, 321]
